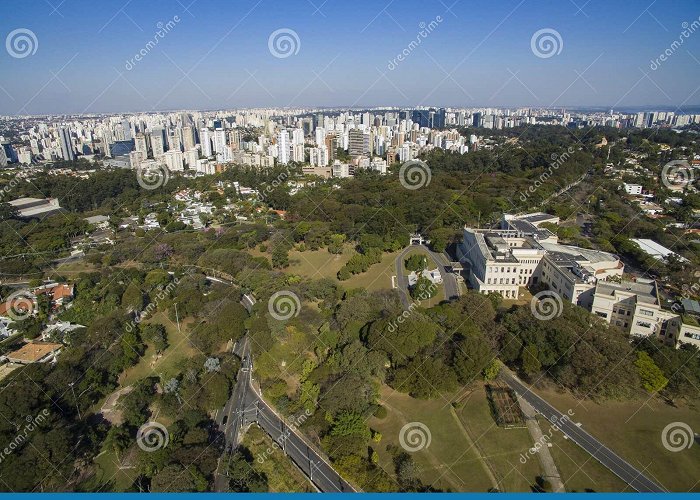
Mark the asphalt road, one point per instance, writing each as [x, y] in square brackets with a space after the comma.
[598, 450]
[449, 281]
[320, 472]
[246, 406]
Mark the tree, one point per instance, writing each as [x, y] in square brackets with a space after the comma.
[416, 262]
[118, 439]
[132, 299]
[653, 379]
[424, 289]
[173, 478]
[530, 361]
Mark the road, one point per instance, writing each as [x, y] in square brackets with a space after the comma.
[449, 280]
[246, 406]
[598, 450]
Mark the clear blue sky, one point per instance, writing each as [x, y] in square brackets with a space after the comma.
[217, 56]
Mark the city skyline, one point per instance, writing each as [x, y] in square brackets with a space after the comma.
[170, 56]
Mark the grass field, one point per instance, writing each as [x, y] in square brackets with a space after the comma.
[450, 462]
[179, 349]
[633, 429]
[317, 264]
[579, 471]
[109, 476]
[282, 475]
[501, 448]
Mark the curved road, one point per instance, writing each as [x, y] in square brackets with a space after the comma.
[608, 458]
[449, 280]
[246, 406]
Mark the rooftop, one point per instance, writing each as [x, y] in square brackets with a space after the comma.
[34, 351]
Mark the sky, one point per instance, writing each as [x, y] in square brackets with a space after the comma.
[78, 56]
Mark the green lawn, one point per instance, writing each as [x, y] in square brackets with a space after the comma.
[109, 476]
[578, 469]
[282, 475]
[317, 264]
[450, 462]
[377, 277]
[501, 448]
[633, 430]
[168, 364]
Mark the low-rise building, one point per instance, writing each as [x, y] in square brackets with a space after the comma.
[521, 253]
[34, 352]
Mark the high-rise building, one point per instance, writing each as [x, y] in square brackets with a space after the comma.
[476, 120]
[356, 142]
[141, 144]
[187, 138]
[283, 147]
[66, 144]
[157, 142]
[219, 140]
[206, 142]
[298, 152]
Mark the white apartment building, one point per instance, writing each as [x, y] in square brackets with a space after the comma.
[174, 160]
[283, 147]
